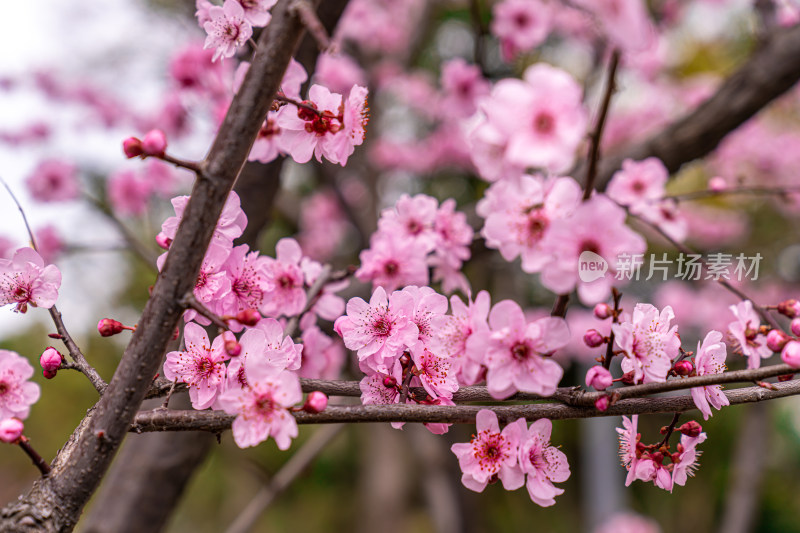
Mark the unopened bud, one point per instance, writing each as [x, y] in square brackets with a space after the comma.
[795, 327]
[683, 368]
[598, 377]
[50, 361]
[11, 429]
[786, 377]
[790, 308]
[389, 382]
[602, 403]
[163, 241]
[248, 317]
[628, 378]
[108, 327]
[593, 338]
[791, 354]
[132, 147]
[691, 428]
[603, 311]
[316, 402]
[154, 143]
[776, 340]
[232, 346]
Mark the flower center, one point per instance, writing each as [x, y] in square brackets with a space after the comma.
[590, 246]
[391, 268]
[285, 281]
[265, 404]
[520, 351]
[382, 327]
[543, 123]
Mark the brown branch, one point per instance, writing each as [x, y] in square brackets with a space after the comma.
[769, 72]
[308, 15]
[56, 503]
[216, 421]
[79, 360]
[37, 460]
[597, 134]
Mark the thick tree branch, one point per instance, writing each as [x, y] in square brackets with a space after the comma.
[772, 70]
[55, 503]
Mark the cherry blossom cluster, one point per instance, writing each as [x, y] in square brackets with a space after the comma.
[26, 280]
[518, 455]
[646, 462]
[17, 394]
[415, 234]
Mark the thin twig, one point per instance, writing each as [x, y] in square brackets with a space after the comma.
[302, 105]
[188, 165]
[309, 18]
[611, 336]
[79, 360]
[670, 429]
[40, 463]
[190, 301]
[597, 134]
[283, 478]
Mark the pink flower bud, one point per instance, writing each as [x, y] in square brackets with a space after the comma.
[389, 382]
[11, 429]
[790, 308]
[717, 183]
[598, 377]
[602, 403]
[627, 378]
[776, 340]
[232, 346]
[683, 368]
[154, 143]
[248, 317]
[791, 354]
[691, 428]
[50, 361]
[603, 311]
[786, 377]
[795, 327]
[108, 327]
[132, 147]
[163, 241]
[593, 339]
[316, 402]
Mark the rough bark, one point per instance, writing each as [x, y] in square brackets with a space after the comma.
[55, 503]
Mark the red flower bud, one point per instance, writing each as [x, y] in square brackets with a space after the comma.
[154, 143]
[776, 340]
[132, 147]
[50, 361]
[790, 308]
[602, 403]
[316, 402]
[248, 317]
[683, 368]
[593, 338]
[691, 428]
[108, 327]
[603, 311]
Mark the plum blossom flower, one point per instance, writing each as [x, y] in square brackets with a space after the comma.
[543, 464]
[569, 237]
[322, 356]
[378, 330]
[230, 225]
[10, 429]
[129, 193]
[17, 394]
[261, 407]
[411, 218]
[227, 29]
[541, 117]
[53, 180]
[491, 453]
[392, 261]
[519, 213]
[453, 238]
[249, 283]
[434, 372]
[649, 343]
[201, 366]
[257, 11]
[428, 311]
[287, 296]
[744, 331]
[686, 462]
[281, 351]
[462, 85]
[464, 336]
[24, 279]
[517, 352]
[521, 25]
[710, 359]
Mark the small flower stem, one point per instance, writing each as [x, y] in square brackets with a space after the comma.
[190, 301]
[560, 305]
[670, 429]
[597, 134]
[404, 388]
[40, 463]
[79, 360]
[285, 99]
[188, 165]
[165, 405]
[305, 11]
[610, 349]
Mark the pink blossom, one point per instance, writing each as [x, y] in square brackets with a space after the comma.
[227, 29]
[261, 408]
[266, 146]
[256, 12]
[453, 238]
[212, 283]
[434, 372]
[323, 357]
[323, 225]
[17, 394]
[249, 283]
[10, 430]
[464, 336]
[462, 84]
[339, 72]
[491, 453]
[628, 523]
[577, 233]
[50, 361]
[629, 14]
[428, 312]
[413, 219]
[230, 225]
[281, 352]
[744, 331]
[53, 180]
[287, 295]
[129, 193]
[639, 466]
[710, 359]
[521, 25]
[49, 243]
[687, 459]
[24, 279]
[378, 330]
[193, 70]
[392, 261]
[791, 354]
[649, 343]
[598, 378]
[517, 353]
[543, 464]
[638, 183]
[541, 116]
[519, 214]
[201, 366]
